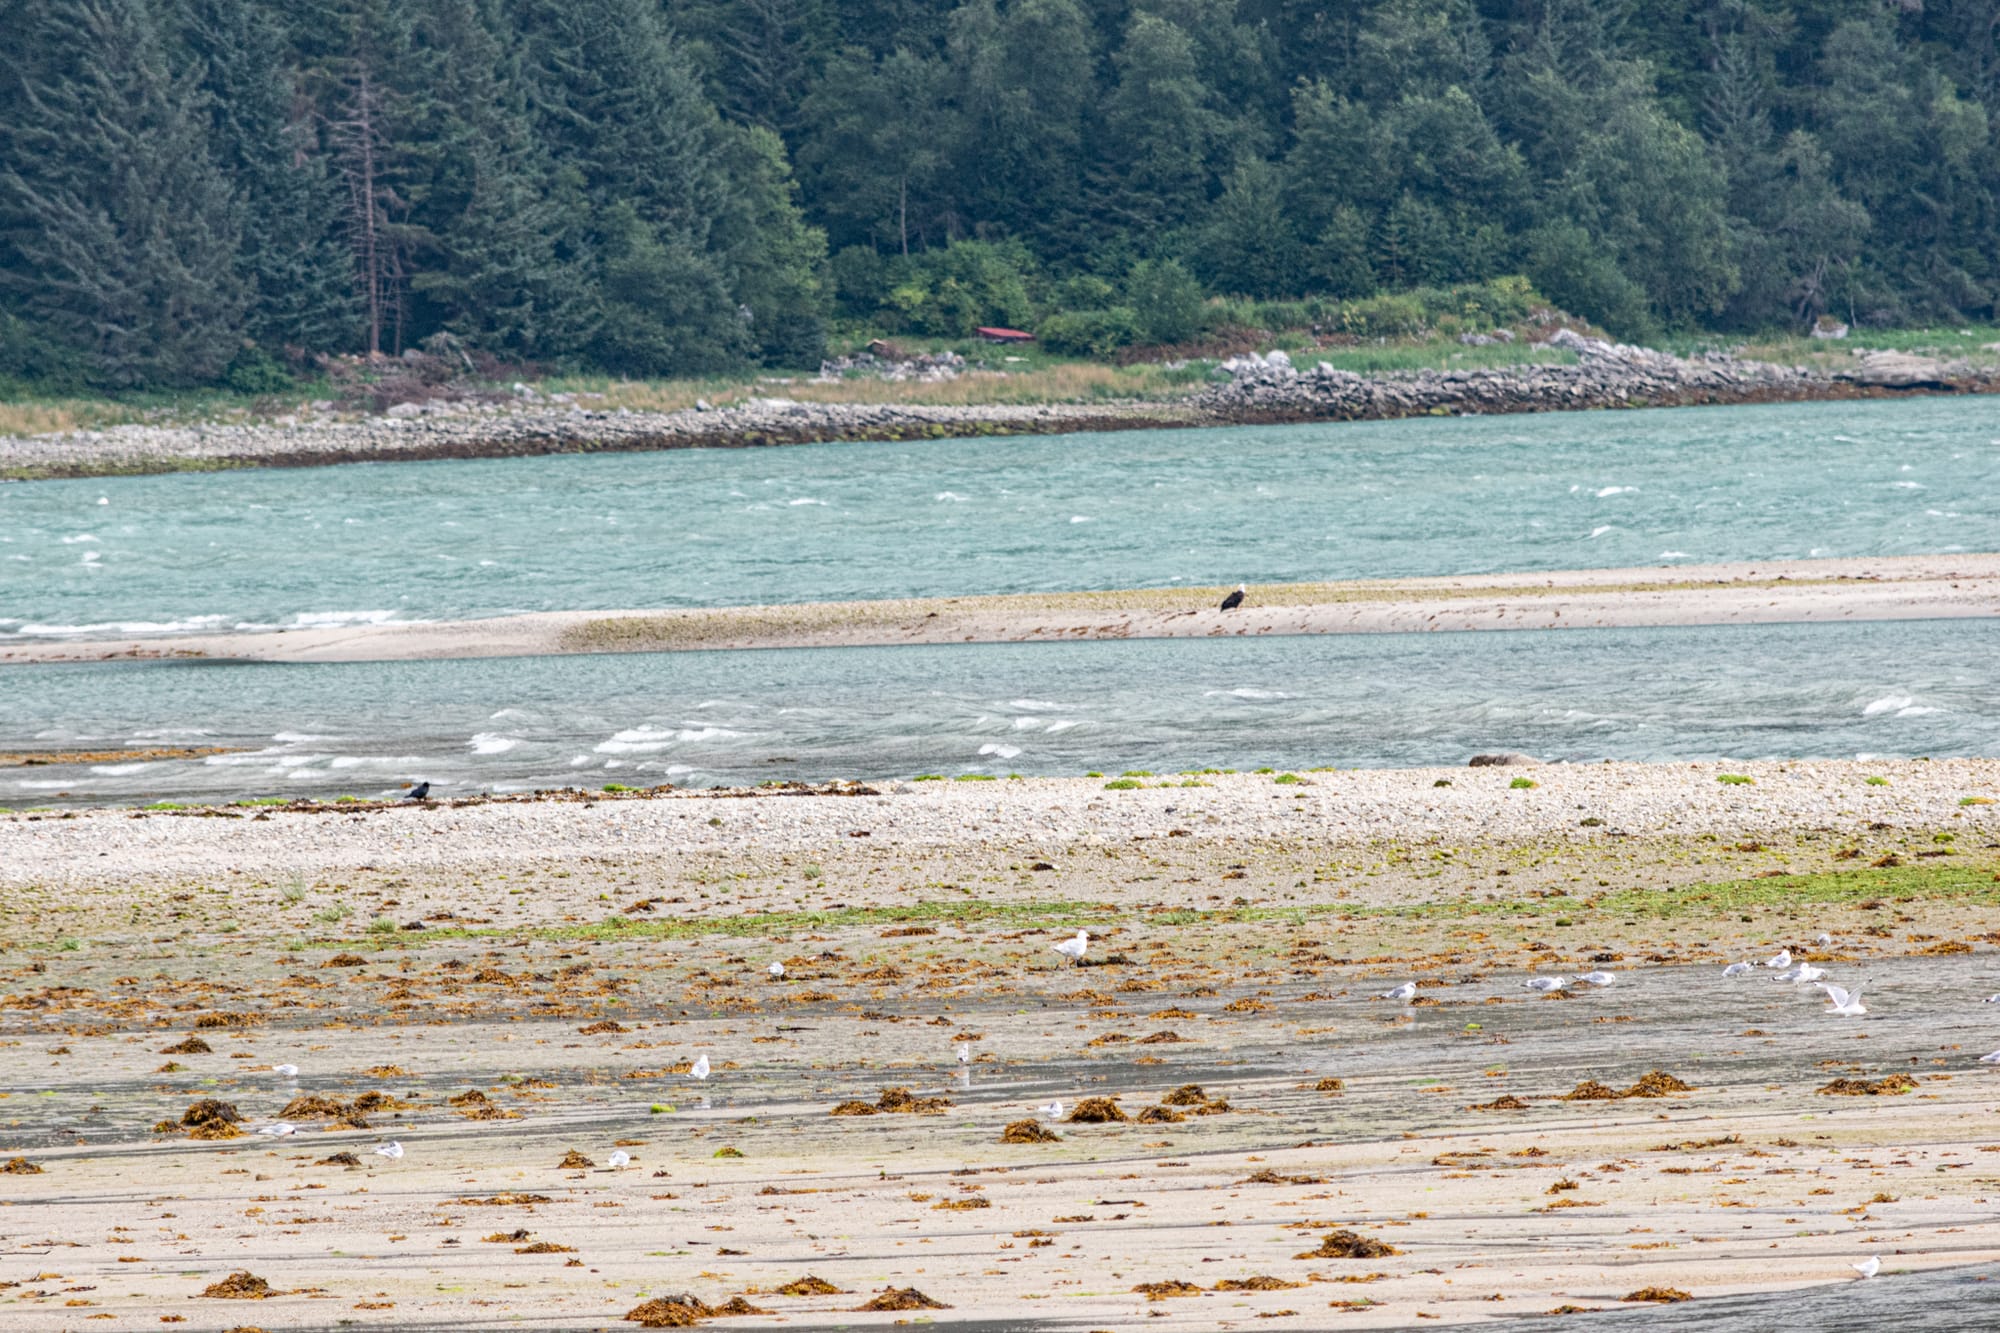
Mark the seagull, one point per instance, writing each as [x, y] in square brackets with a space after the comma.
[1739, 969]
[1993, 1059]
[1845, 1002]
[619, 1158]
[1822, 939]
[1546, 984]
[285, 1071]
[1993, 999]
[1073, 949]
[1053, 1111]
[1803, 972]
[420, 792]
[700, 1069]
[1783, 958]
[1868, 1267]
[391, 1150]
[278, 1131]
[1407, 991]
[1599, 978]
[964, 1055]
[776, 971]
[1235, 599]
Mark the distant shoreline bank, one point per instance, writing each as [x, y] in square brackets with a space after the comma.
[1766, 592]
[1606, 376]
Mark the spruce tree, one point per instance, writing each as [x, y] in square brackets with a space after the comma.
[122, 234]
[294, 257]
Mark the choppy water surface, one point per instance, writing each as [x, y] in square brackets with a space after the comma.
[1140, 508]
[1796, 691]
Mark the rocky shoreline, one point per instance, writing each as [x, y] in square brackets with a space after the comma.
[1257, 390]
[1606, 375]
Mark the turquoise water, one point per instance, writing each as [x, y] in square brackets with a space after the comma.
[1140, 508]
[1909, 688]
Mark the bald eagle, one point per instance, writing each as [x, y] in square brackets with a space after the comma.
[1235, 599]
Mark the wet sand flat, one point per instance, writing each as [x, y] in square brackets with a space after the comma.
[1766, 592]
[496, 986]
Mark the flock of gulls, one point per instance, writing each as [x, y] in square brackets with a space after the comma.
[1845, 1003]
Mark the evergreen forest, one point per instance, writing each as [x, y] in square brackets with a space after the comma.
[222, 191]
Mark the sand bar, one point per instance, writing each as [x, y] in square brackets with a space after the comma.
[497, 986]
[1764, 592]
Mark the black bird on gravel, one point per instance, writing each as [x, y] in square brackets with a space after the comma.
[420, 792]
[1235, 599]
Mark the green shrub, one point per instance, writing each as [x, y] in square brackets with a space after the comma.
[1397, 316]
[1522, 784]
[976, 777]
[1137, 773]
[1735, 779]
[950, 292]
[1287, 779]
[1875, 780]
[1088, 332]
[253, 371]
[1166, 301]
[1123, 784]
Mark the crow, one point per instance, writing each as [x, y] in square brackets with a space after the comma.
[420, 792]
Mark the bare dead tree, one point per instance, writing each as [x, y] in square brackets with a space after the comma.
[358, 136]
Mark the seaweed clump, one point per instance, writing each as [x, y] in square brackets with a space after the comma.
[901, 1298]
[1345, 1244]
[1029, 1131]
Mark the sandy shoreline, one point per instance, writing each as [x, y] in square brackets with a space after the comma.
[1764, 592]
[565, 960]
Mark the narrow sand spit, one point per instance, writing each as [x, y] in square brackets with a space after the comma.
[1768, 592]
[515, 990]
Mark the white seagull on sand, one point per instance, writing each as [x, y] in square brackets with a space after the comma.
[776, 971]
[391, 1150]
[1599, 978]
[1993, 1059]
[620, 1158]
[1868, 1267]
[1739, 969]
[1782, 958]
[278, 1131]
[285, 1071]
[1073, 949]
[1053, 1111]
[1845, 1002]
[1803, 972]
[1406, 992]
[1544, 985]
[700, 1069]
[964, 1055]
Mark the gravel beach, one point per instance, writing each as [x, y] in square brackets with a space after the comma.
[512, 990]
[1249, 390]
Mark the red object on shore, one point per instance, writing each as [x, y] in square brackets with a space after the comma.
[1005, 335]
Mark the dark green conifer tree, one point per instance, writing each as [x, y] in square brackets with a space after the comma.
[294, 256]
[121, 234]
